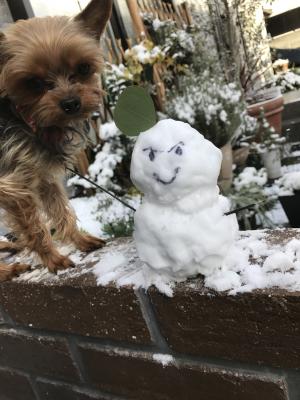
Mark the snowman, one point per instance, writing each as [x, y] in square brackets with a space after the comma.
[180, 228]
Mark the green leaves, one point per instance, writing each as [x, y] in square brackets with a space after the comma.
[134, 112]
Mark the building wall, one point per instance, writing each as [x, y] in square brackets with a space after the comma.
[281, 6]
[5, 16]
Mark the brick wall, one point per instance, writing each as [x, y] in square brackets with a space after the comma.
[67, 339]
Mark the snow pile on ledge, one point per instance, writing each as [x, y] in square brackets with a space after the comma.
[252, 263]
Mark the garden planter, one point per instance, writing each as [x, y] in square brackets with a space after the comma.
[272, 162]
[290, 204]
[272, 111]
[240, 155]
[226, 174]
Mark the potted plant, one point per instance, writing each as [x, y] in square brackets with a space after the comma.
[248, 44]
[214, 108]
[248, 188]
[269, 145]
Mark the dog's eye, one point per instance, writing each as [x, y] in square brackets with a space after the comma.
[83, 69]
[36, 84]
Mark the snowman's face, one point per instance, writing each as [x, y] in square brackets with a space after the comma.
[172, 160]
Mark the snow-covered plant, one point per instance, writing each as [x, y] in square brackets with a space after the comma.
[269, 138]
[115, 219]
[250, 175]
[289, 183]
[116, 79]
[287, 81]
[248, 188]
[143, 55]
[137, 69]
[246, 132]
[110, 156]
[209, 104]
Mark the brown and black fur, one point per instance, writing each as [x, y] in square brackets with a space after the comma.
[39, 68]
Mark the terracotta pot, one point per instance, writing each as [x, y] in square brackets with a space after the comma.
[226, 174]
[240, 155]
[272, 109]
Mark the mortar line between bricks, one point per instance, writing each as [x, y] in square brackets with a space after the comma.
[34, 387]
[83, 388]
[292, 379]
[77, 359]
[151, 320]
[46, 333]
[6, 317]
[217, 363]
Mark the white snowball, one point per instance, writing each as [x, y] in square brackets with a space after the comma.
[180, 228]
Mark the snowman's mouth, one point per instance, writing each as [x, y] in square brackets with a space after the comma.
[158, 179]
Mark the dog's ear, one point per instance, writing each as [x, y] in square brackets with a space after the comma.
[95, 16]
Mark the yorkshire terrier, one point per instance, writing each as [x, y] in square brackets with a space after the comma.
[49, 85]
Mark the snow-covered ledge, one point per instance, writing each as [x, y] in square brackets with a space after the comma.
[66, 336]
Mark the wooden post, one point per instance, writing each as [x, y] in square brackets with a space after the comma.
[186, 10]
[136, 18]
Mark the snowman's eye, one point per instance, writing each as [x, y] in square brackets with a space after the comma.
[151, 155]
[178, 151]
[177, 148]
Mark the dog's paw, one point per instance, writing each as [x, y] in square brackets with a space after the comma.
[88, 243]
[7, 272]
[56, 262]
[9, 247]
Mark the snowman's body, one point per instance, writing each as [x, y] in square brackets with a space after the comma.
[180, 228]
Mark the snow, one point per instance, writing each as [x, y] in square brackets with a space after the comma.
[254, 263]
[164, 359]
[123, 267]
[288, 183]
[86, 208]
[107, 158]
[251, 175]
[180, 228]
[93, 213]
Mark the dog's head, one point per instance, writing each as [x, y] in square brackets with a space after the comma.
[49, 67]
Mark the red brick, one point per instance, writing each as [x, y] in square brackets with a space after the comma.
[44, 356]
[137, 376]
[15, 386]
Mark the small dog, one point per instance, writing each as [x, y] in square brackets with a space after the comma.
[49, 85]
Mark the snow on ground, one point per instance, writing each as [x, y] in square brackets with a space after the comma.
[93, 213]
[86, 209]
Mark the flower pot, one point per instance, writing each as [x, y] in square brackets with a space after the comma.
[240, 155]
[226, 174]
[272, 111]
[272, 162]
[290, 204]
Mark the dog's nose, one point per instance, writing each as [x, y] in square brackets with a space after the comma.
[70, 105]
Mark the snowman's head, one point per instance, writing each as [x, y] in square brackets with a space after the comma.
[172, 160]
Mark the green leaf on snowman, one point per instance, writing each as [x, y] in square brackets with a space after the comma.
[135, 112]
